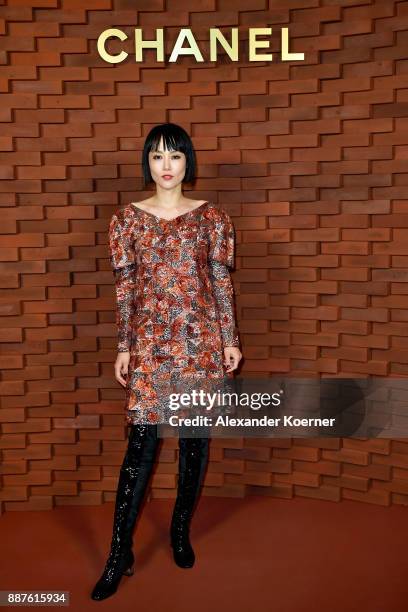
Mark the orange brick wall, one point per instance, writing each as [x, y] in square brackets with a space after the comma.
[310, 160]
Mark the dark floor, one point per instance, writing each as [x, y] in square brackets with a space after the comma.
[254, 554]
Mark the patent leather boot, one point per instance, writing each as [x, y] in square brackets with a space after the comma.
[133, 478]
[193, 456]
[145, 471]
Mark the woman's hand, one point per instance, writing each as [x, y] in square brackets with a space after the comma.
[232, 356]
[121, 367]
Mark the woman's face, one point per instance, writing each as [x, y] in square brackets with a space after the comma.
[167, 168]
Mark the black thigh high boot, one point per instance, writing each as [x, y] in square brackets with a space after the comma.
[193, 458]
[133, 478]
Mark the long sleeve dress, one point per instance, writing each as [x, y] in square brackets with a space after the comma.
[174, 299]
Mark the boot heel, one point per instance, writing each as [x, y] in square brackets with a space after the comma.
[130, 571]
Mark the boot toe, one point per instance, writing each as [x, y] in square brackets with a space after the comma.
[183, 555]
[101, 592]
[184, 563]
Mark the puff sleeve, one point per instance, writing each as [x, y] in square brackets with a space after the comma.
[121, 250]
[220, 257]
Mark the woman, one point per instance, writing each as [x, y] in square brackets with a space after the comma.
[175, 318]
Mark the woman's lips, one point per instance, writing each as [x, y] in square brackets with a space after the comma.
[167, 177]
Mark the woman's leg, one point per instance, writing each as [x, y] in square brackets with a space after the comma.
[133, 478]
[145, 469]
[193, 459]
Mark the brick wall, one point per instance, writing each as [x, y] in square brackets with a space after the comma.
[309, 159]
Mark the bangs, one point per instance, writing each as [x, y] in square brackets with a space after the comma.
[170, 141]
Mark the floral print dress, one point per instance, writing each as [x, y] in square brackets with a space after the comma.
[174, 299]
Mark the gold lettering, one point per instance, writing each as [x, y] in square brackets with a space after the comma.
[178, 49]
[231, 49]
[286, 56]
[157, 43]
[255, 44]
[112, 59]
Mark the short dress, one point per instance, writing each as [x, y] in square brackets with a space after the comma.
[174, 300]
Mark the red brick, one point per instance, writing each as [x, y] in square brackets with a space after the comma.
[316, 189]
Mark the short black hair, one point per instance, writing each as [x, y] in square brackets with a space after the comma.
[175, 138]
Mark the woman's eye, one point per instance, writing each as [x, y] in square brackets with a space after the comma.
[156, 156]
[176, 156]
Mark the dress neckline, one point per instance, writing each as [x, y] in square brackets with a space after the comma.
[173, 218]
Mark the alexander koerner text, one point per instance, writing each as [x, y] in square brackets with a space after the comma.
[226, 421]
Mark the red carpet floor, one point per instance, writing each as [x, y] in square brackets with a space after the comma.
[296, 555]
